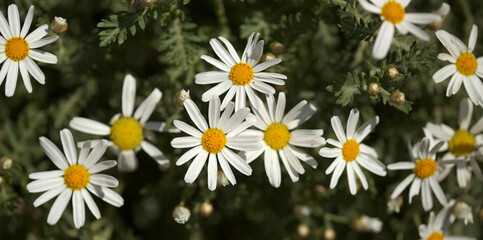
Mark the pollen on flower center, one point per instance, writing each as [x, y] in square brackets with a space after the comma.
[17, 49]
[241, 74]
[393, 12]
[127, 133]
[462, 143]
[350, 150]
[213, 140]
[425, 168]
[466, 64]
[76, 177]
[436, 236]
[277, 136]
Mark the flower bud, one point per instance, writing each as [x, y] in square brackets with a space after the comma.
[363, 223]
[394, 205]
[222, 180]
[392, 72]
[277, 48]
[373, 89]
[135, 6]
[267, 57]
[329, 234]
[1, 180]
[59, 25]
[180, 97]
[206, 209]
[397, 98]
[6, 163]
[462, 210]
[442, 12]
[303, 230]
[301, 211]
[181, 214]
[320, 190]
[149, 3]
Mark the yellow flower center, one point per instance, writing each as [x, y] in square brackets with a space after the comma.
[425, 168]
[350, 150]
[241, 74]
[435, 236]
[76, 177]
[16, 49]
[127, 133]
[462, 143]
[466, 64]
[213, 140]
[393, 12]
[277, 136]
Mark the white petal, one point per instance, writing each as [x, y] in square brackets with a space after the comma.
[234, 121]
[96, 153]
[45, 184]
[262, 66]
[240, 98]
[339, 169]
[14, 20]
[127, 161]
[78, 209]
[268, 75]
[128, 95]
[27, 23]
[38, 33]
[369, 7]
[4, 27]
[25, 76]
[371, 164]
[185, 142]
[228, 97]
[43, 56]
[85, 148]
[262, 87]
[45, 197]
[90, 203]
[475, 86]
[338, 129]
[421, 18]
[106, 194]
[361, 176]
[437, 191]
[236, 161]
[365, 129]
[195, 167]
[446, 57]
[290, 170]
[232, 50]
[226, 168]
[473, 37]
[221, 52]
[416, 31]
[465, 113]
[401, 186]
[214, 111]
[155, 153]
[303, 156]
[447, 40]
[352, 122]
[89, 126]
[329, 152]
[292, 160]
[400, 166]
[334, 143]
[103, 180]
[5, 68]
[11, 83]
[212, 172]
[426, 196]
[59, 206]
[54, 154]
[255, 101]
[243, 145]
[216, 63]
[478, 127]
[189, 155]
[146, 108]
[333, 165]
[280, 107]
[101, 166]
[34, 70]
[69, 146]
[383, 40]
[307, 141]
[46, 174]
[415, 189]
[351, 179]
[211, 77]
[195, 115]
[187, 128]
[454, 84]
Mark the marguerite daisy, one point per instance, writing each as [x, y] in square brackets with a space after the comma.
[213, 141]
[424, 178]
[239, 76]
[394, 15]
[437, 226]
[350, 152]
[127, 130]
[462, 144]
[280, 138]
[76, 178]
[464, 67]
[17, 49]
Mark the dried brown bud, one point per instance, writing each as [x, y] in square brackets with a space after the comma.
[320, 190]
[303, 230]
[442, 12]
[135, 6]
[373, 89]
[397, 98]
[392, 72]
[277, 48]
[149, 3]
[329, 234]
[206, 209]
[180, 97]
[59, 25]
[6, 163]
[268, 57]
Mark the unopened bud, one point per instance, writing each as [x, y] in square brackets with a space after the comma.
[181, 214]
[180, 97]
[462, 210]
[222, 180]
[206, 209]
[442, 12]
[135, 6]
[397, 98]
[329, 234]
[363, 223]
[394, 205]
[392, 72]
[301, 211]
[320, 190]
[149, 3]
[6, 163]
[59, 25]
[303, 230]
[373, 89]
[277, 48]
[268, 57]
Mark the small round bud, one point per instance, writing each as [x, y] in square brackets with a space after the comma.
[462, 210]
[363, 223]
[373, 89]
[181, 214]
[180, 97]
[442, 12]
[277, 48]
[6, 163]
[320, 190]
[135, 6]
[301, 211]
[149, 3]
[329, 234]
[303, 230]
[59, 25]
[206, 209]
[392, 72]
[268, 57]
[397, 98]
[394, 205]
[222, 180]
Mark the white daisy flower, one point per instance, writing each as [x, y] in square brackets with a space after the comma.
[17, 49]
[127, 131]
[350, 152]
[437, 226]
[462, 144]
[424, 178]
[464, 67]
[280, 138]
[394, 15]
[239, 76]
[215, 141]
[76, 178]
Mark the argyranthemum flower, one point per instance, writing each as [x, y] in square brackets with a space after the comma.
[127, 132]
[437, 226]
[215, 141]
[280, 138]
[239, 76]
[350, 152]
[17, 49]
[462, 144]
[424, 178]
[394, 15]
[76, 178]
[464, 67]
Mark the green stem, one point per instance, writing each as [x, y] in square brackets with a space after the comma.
[222, 19]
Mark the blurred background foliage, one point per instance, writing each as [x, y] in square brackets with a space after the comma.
[325, 46]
